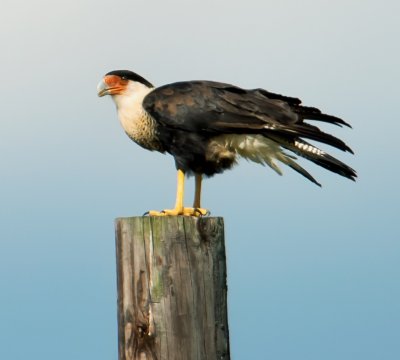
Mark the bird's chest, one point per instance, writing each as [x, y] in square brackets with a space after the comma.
[141, 128]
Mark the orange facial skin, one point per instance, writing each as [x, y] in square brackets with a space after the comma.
[114, 85]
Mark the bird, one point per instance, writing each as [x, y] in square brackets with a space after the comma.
[207, 126]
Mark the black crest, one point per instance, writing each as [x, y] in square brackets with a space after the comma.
[130, 75]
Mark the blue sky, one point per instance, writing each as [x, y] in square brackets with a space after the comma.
[313, 273]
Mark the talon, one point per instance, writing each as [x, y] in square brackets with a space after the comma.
[195, 212]
[201, 212]
[176, 212]
[156, 213]
[165, 212]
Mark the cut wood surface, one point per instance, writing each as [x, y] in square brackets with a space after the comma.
[172, 292]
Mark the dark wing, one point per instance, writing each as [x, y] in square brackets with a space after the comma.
[217, 108]
[221, 108]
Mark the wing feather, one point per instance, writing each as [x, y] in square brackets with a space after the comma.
[212, 109]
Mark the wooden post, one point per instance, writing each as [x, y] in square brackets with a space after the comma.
[172, 293]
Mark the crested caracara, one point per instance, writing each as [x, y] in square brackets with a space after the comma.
[206, 126]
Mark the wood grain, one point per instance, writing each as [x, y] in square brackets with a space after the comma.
[172, 292]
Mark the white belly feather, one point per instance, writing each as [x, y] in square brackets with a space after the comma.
[256, 148]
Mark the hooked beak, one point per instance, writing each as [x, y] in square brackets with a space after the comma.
[102, 89]
[111, 85]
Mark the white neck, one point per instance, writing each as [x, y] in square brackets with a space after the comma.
[129, 105]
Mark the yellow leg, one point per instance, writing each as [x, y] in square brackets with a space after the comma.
[197, 197]
[180, 191]
[197, 192]
[179, 208]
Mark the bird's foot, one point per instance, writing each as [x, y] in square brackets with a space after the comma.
[195, 212]
[183, 211]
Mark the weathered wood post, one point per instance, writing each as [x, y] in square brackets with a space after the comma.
[172, 292]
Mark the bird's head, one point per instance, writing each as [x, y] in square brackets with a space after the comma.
[121, 82]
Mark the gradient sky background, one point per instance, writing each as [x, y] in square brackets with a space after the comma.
[313, 273]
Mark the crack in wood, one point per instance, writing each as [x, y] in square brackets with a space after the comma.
[172, 293]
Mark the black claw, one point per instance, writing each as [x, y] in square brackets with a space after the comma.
[197, 210]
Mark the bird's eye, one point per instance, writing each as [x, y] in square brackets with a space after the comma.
[124, 78]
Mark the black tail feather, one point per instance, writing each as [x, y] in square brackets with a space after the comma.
[329, 162]
[312, 113]
[321, 158]
[303, 172]
[317, 156]
[313, 133]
